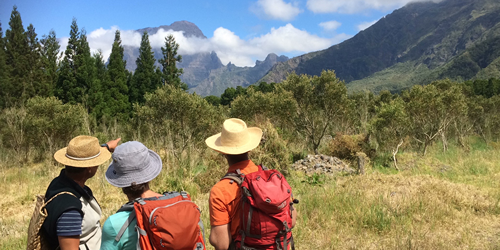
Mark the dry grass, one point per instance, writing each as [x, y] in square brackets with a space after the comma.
[442, 201]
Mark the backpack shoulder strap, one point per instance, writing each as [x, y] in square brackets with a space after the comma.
[235, 177]
[129, 220]
[129, 206]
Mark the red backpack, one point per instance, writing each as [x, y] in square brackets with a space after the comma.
[170, 222]
[266, 219]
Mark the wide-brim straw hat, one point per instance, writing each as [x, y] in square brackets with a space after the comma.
[82, 152]
[236, 138]
[133, 163]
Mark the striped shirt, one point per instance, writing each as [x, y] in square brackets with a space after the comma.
[69, 223]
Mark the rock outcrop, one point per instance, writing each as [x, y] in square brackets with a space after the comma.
[323, 164]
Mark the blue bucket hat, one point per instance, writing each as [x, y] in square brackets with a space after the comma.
[133, 163]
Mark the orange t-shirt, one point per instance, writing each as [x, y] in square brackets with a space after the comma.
[224, 201]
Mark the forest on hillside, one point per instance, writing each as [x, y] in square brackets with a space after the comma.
[49, 96]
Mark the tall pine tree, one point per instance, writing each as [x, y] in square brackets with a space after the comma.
[95, 94]
[4, 81]
[84, 65]
[66, 88]
[16, 50]
[170, 73]
[50, 55]
[145, 78]
[36, 85]
[116, 90]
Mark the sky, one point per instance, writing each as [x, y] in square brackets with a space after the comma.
[239, 31]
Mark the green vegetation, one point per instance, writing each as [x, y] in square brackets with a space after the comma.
[433, 150]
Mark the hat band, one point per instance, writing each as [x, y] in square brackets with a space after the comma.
[82, 159]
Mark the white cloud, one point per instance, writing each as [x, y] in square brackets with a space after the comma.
[355, 6]
[276, 9]
[283, 40]
[365, 25]
[330, 25]
[228, 46]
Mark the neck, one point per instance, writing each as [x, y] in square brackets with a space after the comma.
[148, 193]
[80, 179]
[233, 159]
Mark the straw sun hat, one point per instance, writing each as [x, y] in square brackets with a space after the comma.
[83, 151]
[235, 138]
[133, 163]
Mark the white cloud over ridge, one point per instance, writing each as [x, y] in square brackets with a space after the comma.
[356, 6]
[228, 46]
[330, 25]
[276, 9]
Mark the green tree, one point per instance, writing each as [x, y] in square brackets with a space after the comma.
[321, 102]
[51, 124]
[214, 100]
[36, 83]
[390, 126]
[67, 88]
[85, 69]
[432, 109]
[230, 94]
[145, 79]
[4, 81]
[177, 119]
[115, 89]
[276, 106]
[170, 73]
[95, 94]
[17, 50]
[50, 55]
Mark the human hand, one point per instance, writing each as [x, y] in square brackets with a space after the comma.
[113, 144]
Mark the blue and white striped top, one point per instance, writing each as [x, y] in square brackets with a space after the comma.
[69, 223]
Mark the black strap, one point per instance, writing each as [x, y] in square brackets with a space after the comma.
[236, 177]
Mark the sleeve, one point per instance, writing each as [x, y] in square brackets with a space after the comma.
[69, 223]
[219, 214]
[108, 237]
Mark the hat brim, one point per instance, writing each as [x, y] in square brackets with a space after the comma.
[254, 133]
[60, 156]
[145, 175]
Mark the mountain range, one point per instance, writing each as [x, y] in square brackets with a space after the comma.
[204, 73]
[416, 44]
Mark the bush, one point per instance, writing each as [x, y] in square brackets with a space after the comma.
[346, 146]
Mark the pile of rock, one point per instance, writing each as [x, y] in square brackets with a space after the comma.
[323, 164]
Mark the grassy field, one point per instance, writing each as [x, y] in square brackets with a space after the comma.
[440, 201]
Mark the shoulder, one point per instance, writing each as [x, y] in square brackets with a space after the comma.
[224, 191]
[117, 220]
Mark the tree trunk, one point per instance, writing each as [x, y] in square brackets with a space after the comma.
[395, 152]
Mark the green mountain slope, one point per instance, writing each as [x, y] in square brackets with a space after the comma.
[418, 42]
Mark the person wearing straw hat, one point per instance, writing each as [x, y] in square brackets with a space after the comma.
[73, 220]
[133, 167]
[234, 142]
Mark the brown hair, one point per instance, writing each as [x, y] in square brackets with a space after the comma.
[136, 190]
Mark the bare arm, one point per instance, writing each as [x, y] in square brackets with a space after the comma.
[220, 237]
[294, 217]
[69, 242]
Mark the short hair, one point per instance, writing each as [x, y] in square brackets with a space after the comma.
[136, 190]
[74, 170]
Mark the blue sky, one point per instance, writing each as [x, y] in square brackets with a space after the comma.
[239, 31]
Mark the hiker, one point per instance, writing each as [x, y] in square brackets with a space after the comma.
[225, 202]
[73, 220]
[133, 167]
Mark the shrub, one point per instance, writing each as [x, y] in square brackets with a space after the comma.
[346, 146]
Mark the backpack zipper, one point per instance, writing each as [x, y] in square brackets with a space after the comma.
[154, 210]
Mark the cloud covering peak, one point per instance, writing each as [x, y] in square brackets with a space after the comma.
[229, 47]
